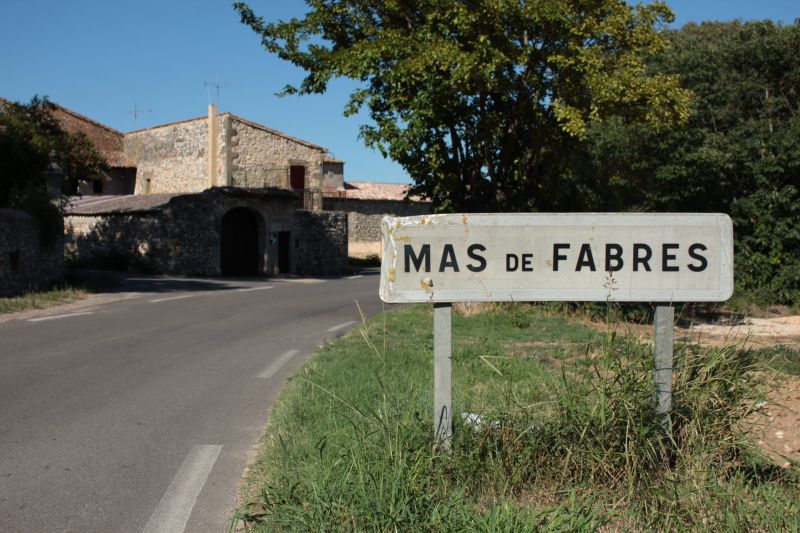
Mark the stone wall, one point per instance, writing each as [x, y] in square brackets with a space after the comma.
[174, 158]
[170, 158]
[321, 240]
[261, 157]
[333, 175]
[364, 221]
[26, 264]
[184, 236]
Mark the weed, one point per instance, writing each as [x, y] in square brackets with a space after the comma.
[568, 447]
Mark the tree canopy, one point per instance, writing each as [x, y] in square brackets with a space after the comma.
[738, 154]
[483, 102]
[31, 144]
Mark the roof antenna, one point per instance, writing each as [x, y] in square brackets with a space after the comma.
[136, 112]
[217, 86]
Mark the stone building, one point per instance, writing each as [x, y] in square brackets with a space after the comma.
[220, 194]
[231, 231]
[366, 203]
[225, 151]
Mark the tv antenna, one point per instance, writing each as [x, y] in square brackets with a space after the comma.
[137, 112]
[217, 86]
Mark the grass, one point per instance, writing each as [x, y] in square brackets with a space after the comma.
[563, 438]
[41, 300]
[779, 358]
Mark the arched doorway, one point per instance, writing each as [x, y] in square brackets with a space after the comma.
[239, 249]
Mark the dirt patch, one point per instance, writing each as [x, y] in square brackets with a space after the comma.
[745, 333]
[778, 428]
[750, 332]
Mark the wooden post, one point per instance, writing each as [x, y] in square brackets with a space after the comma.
[662, 376]
[442, 380]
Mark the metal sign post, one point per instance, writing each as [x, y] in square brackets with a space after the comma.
[567, 257]
[442, 376]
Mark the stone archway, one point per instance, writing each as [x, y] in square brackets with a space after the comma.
[241, 246]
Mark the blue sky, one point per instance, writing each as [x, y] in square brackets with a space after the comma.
[101, 58]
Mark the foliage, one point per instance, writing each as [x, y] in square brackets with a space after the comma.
[555, 441]
[31, 144]
[483, 101]
[738, 154]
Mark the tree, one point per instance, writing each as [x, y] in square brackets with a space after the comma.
[484, 102]
[31, 144]
[739, 153]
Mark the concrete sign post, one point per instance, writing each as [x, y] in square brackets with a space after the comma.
[442, 382]
[622, 257]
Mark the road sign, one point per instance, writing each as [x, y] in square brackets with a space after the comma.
[667, 257]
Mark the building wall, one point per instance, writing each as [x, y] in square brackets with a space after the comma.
[171, 158]
[260, 158]
[115, 181]
[184, 237]
[321, 242]
[25, 263]
[364, 221]
[332, 175]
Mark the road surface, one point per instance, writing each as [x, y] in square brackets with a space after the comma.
[138, 415]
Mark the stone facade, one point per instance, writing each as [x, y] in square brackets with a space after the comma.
[364, 221]
[170, 159]
[332, 174]
[321, 242]
[262, 157]
[25, 263]
[184, 234]
[173, 158]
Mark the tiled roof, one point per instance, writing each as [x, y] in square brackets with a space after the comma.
[330, 159]
[128, 203]
[106, 140]
[366, 190]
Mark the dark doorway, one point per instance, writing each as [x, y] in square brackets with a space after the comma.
[284, 249]
[239, 246]
[297, 181]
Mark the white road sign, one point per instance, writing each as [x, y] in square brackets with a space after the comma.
[669, 257]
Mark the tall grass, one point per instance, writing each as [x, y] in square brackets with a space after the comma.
[563, 443]
[41, 300]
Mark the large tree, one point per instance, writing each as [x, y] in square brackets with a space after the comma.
[484, 102]
[739, 153]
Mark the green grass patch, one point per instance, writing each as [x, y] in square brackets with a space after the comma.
[781, 358]
[562, 437]
[41, 300]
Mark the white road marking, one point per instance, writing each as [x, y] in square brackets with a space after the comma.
[276, 365]
[56, 317]
[344, 325]
[247, 289]
[307, 281]
[356, 276]
[172, 298]
[176, 505]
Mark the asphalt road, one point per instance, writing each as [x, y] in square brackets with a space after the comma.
[140, 414]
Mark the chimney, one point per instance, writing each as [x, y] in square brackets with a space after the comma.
[213, 136]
